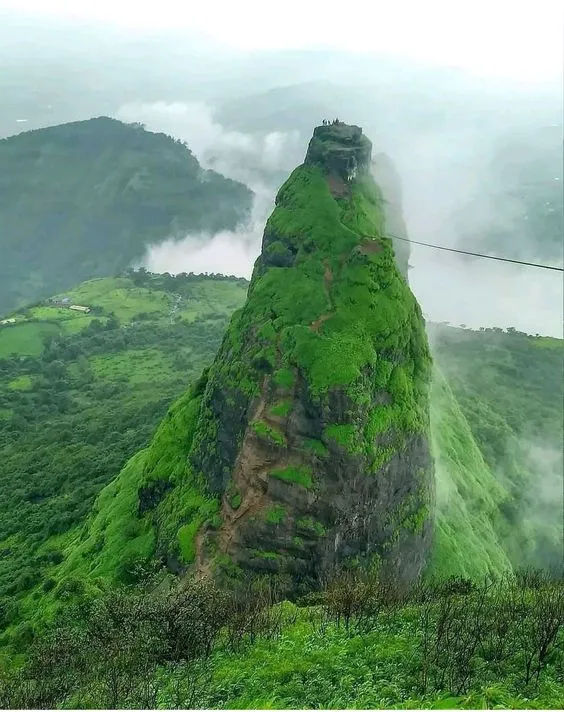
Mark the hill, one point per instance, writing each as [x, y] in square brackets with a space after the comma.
[81, 393]
[84, 199]
[297, 425]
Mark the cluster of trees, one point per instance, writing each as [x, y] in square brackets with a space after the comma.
[141, 277]
[135, 648]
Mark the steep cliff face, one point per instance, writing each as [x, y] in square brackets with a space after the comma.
[312, 431]
[342, 151]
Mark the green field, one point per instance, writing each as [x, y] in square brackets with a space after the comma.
[25, 339]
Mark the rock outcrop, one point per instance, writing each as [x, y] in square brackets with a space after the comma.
[341, 150]
[306, 444]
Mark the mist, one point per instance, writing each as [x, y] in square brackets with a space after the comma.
[444, 167]
[262, 162]
[543, 498]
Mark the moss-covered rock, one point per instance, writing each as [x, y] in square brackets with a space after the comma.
[348, 370]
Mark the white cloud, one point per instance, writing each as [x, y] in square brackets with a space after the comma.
[241, 156]
[478, 292]
[449, 287]
[258, 160]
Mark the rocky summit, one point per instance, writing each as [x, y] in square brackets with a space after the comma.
[341, 150]
[307, 440]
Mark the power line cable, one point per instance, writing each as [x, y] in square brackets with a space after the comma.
[477, 254]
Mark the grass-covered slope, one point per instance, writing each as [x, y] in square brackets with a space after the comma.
[469, 527]
[83, 200]
[510, 388]
[82, 393]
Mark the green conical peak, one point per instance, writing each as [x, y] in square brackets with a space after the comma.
[305, 445]
[312, 430]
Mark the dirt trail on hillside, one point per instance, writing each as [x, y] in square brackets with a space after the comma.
[254, 463]
[327, 281]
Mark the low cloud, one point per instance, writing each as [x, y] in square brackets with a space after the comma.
[260, 161]
[250, 158]
[442, 173]
[440, 170]
[227, 252]
[479, 292]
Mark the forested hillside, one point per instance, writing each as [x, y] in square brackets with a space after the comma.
[83, 200]
[81, 393]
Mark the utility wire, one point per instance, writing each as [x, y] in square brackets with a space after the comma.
[477, 254]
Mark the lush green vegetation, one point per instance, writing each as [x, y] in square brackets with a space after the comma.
[327, 309]
[471, 529]
[72, 415]
[275, 320]
[359, 644]
[468, 521]
[510, 389]
[100, 509]
[83, 200]
[473, 501]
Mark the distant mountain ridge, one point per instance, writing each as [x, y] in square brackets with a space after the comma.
[84, 199]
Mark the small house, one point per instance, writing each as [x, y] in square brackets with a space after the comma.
[77, 307]
[5, 322]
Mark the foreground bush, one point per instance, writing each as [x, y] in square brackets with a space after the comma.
[361, 645]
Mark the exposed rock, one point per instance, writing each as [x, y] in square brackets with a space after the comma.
[341, 150]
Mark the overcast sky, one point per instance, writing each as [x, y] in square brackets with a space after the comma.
[517, 39]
